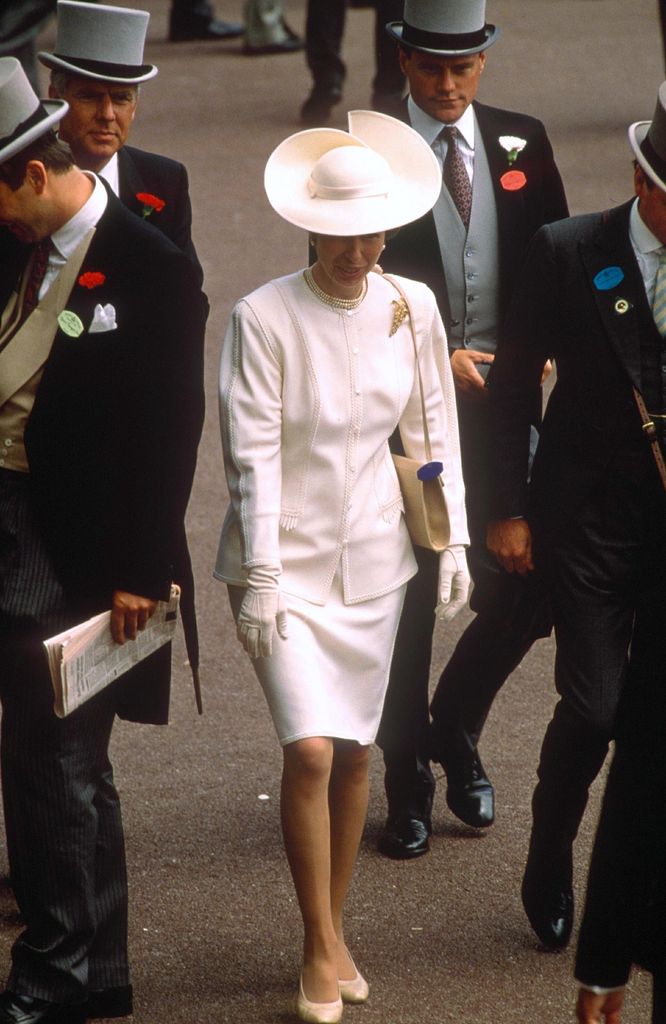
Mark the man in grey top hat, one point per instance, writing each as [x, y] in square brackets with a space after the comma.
[97, 67]
[101, 409]
[500, 184]
[593, 297]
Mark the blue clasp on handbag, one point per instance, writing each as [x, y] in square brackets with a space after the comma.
[429, 470]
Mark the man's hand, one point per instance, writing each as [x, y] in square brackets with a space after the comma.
[465, 374]
[510, 540]
[593, 1009]
[129, 615]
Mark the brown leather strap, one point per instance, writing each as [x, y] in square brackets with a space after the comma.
[650, 432]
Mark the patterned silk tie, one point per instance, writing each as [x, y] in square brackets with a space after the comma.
[456, 177]
[659, 301]
[38, 267]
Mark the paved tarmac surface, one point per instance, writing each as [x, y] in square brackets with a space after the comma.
[215, 930]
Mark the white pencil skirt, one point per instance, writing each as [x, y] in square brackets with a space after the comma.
[329, 677]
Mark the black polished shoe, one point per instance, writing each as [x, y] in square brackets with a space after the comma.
[548, 899]
[19, 1009]
[469, 793]
[109, 1002]
[405, 837]
[292, 44]
[184, 30]
[318, 106]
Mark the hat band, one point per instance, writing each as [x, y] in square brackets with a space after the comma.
[39, 115]
[103, 67]
[442, 40]
[656, 162]
[373, 188]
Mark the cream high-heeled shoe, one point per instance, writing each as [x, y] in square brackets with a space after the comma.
[354, 990]
[317, 1013]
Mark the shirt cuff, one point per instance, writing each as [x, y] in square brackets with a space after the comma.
[600, 990]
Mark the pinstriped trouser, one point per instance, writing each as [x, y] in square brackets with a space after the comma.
[62, 811]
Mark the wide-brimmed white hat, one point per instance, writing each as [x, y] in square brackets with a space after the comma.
[23, 117]
[449, 28]
[379, 175]
[101, 42]
[648, 141]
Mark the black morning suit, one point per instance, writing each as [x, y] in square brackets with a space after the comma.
[595, 503]
[111, 444]
[507, 621]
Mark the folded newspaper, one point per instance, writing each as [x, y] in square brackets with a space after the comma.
[86, 658]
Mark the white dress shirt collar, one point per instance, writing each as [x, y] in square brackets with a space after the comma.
[429, 127]
[66, 238]
[641, 237]
[110, 174]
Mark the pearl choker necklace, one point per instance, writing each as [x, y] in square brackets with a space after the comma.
[333, 300]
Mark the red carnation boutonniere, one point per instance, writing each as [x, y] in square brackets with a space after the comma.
[92, 279]
[150, 203]
[513, 180]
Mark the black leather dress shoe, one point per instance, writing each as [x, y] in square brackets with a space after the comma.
[185, 30]
[318, 106]
[405, 837]
[292, 44]
[548, 900]
[18, 1009]
[469, 794]
[109, 1002]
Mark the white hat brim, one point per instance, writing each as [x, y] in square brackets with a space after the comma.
[416, 178]
[637, 134]
[55, 111]
[59, 64]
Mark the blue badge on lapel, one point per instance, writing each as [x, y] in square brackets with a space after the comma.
[608, 278]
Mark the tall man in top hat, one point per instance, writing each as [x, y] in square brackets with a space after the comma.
[97, 67]
[500, 184]
[101, 407]
[593, 296]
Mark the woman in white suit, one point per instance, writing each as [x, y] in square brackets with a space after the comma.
[317, 372]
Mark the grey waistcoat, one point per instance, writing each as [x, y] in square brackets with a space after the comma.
[471, 261]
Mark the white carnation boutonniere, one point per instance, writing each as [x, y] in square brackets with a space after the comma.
[513, 146]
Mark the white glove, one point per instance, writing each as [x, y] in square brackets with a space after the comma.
[261, 612]
[454, 582]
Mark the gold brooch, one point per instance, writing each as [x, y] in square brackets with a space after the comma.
[399, 314]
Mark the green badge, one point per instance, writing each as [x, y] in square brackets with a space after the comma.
[70, 324]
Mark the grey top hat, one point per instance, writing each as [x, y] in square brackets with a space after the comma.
[648, 141]
[449, 28]
[101, 42]
[23, 118]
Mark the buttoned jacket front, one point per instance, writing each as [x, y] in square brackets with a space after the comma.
[309, 397]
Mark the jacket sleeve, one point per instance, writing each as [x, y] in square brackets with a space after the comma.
[250, 390]
[515, 378]
[440, 403]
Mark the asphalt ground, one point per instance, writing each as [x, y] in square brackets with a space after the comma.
[215, 931]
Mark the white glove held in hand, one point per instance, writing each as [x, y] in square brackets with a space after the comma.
[261, 612]
[454, 582]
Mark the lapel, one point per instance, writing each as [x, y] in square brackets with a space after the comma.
[29, 349]
[130, 182]
[623, 308]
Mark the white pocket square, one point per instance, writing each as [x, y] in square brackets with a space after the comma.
[104, 319]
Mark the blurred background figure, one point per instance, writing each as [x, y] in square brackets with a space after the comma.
[265, 28]
[20, 23]
[323, 42]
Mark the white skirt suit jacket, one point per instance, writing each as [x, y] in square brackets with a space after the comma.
[309, 397]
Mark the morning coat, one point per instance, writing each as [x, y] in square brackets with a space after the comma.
[112, 437]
